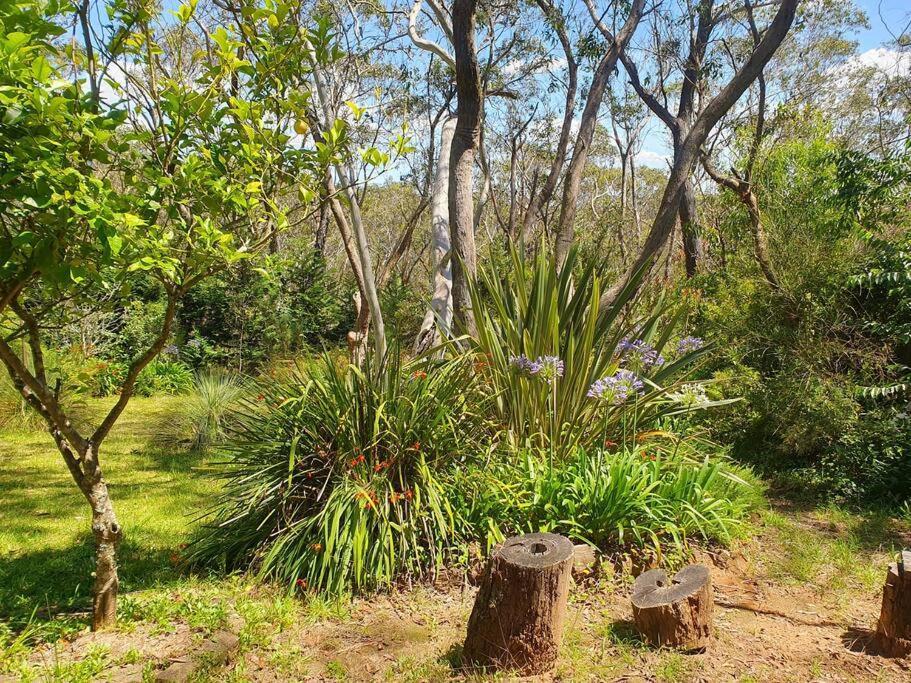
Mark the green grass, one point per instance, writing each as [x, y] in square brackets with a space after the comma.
[45, 536]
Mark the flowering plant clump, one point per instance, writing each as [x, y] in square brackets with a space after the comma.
[690, 395]
[547, 368]
[639, 354]
[688, 344]
[617, 388]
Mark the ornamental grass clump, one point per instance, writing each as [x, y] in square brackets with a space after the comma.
[333, 479]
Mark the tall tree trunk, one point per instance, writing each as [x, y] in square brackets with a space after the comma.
[464, 143]
[565, 227]
[438, 319]
[538, 201]
[634, 197]
[692, 243]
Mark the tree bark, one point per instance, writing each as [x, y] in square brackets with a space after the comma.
[539, 200]
[517, 620]
[582, 147]
[676, 612]
[692, 243]
[464, 143]
[107, 534]
[438, 318]
[893, 630]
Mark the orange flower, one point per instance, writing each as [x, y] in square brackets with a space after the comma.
[302, 584]
[419, 374]
[317, 547]
[261, 397]
[408, 494]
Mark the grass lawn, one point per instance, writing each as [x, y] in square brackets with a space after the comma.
[792, 601]
[45, 535]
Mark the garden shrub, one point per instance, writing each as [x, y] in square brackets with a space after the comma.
[334, 476]
[533, 317]
[204, 416]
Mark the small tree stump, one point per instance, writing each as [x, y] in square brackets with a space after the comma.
[517, 620]
[894, 627]
[676, 612]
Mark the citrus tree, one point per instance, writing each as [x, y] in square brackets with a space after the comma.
[164, 155]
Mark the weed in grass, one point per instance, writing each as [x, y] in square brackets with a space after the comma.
[673, 668]
[336, 670]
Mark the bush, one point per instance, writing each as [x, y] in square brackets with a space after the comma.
[158, 377]
[334, 477]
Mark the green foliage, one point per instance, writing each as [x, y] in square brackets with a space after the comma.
[158, 377]
[532, 311]
[648, 494]
[822, 362]
[334, 476]
[249, 314]
[203, 419]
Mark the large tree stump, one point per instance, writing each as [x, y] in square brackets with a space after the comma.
[517, 620]
[894, 627]
[676, 612]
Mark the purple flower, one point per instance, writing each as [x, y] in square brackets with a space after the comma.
[639, 354]
[195, 343]
[171, 350]
[617, 388]
[688, 344]
[547, 368]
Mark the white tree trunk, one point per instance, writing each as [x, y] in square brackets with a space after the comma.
[438, 319]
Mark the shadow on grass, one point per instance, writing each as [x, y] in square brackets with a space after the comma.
[57, 584]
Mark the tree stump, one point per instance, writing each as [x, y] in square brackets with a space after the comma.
[676, 612]
[893, 630]
[517, 620]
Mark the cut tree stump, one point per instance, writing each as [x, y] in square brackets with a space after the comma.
[893, 630]
[677, 612]
[517, 620]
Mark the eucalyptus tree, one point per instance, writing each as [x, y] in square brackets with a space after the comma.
[692, 137]
[171, 185]
[600, 78]
[809, 63]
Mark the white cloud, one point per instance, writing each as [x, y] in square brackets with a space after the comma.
[654, 159]
[517, 65]
[888, 61]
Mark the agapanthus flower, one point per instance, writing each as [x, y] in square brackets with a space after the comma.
[690, 395]
[688, 344]
[639, 354]
[195, 343]
[617, 388]
[171, 350]
[546, 368]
